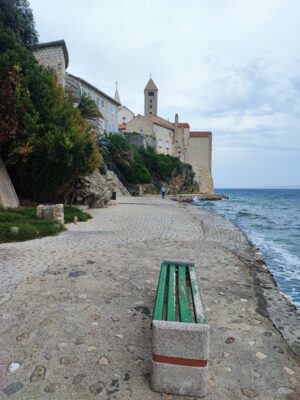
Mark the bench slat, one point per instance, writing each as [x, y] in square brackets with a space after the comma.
[158, 313]
[184, 305]
[171, 308]
[198, 307]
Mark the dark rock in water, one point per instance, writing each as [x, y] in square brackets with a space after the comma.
[12, 388]
[189, 197]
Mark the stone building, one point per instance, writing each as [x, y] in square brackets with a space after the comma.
[108, 106]
[55, 55]
[174, 138]
[124, 115]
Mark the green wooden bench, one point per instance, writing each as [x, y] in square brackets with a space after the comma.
[180, 334]
[178, 296]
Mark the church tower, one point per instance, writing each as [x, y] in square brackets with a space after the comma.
[150, 98]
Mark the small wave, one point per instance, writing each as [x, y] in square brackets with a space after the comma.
[251, 215]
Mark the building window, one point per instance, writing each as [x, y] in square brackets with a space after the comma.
[150, 100]
[150, 112]
[102, 103]
[97, 101]
[150, 105]
[151, 94]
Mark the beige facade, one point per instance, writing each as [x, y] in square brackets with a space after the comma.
[198, 154]
[124, 115]
[158, 128]
[54, 55]
[175, 138]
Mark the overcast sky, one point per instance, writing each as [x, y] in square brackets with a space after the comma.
[228, 66]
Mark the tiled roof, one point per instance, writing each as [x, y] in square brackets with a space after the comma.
[122, 126]
[183, 125]
[200, 134]
[160, 121]
[151, 85]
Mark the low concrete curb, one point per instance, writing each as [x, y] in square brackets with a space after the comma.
[180, 358]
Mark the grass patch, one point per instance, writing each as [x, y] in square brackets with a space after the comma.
[71, 212]
[22, 224]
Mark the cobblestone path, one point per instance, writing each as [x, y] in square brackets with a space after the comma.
[75, 309]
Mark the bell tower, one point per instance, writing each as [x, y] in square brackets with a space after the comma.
[150, 98]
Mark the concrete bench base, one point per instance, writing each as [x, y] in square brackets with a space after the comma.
[177, 379]
[180, 358]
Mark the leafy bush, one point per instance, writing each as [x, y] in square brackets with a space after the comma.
[118, 150]
[160, 166]
[17, 16]
[140, 165]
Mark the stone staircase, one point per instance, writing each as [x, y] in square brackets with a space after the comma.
[115, 184]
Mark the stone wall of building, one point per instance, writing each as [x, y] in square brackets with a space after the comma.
[124, 115]
[198, 154]
[53, 57]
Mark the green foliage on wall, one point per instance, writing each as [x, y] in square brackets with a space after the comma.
[45, 142]
[140, 165]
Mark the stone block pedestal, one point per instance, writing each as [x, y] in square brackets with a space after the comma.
[51, 211]
[180, 354]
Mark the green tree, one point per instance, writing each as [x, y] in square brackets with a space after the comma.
[47, 144]
[88, 108]
[17, 16]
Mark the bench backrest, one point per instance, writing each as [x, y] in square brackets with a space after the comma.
[178, 296]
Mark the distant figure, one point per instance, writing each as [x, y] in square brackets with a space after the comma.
[163, 191]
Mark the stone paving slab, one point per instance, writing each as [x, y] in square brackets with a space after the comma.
[76, 308]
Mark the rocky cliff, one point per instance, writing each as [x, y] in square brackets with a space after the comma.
[91, 190]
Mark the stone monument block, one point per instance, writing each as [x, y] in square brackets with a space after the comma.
[51, 211]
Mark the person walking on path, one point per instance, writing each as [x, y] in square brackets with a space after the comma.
[163, 191]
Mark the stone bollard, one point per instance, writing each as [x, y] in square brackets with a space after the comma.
[51, 211]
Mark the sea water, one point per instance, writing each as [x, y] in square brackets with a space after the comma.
[271, 220]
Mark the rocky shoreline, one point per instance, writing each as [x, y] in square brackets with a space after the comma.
[189, 197]
[271, 301]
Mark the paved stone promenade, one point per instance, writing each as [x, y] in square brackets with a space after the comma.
[75, 309]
